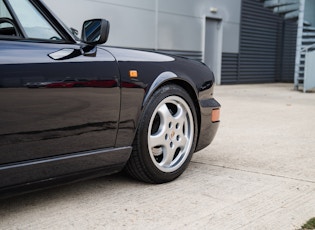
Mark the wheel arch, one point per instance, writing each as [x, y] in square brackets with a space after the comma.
[167, 78]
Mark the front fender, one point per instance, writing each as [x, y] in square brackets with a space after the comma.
[165, 78]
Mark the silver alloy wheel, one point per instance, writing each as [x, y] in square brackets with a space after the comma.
[170, 134]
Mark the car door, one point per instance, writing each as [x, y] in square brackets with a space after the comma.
[57, 96]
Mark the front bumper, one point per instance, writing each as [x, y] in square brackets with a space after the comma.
[208, 128]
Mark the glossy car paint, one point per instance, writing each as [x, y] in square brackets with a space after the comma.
[54, 133]
[156, 70]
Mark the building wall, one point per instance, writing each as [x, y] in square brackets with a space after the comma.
[251, 46]
[288, 51]
[132, 22]
[309, 14]
[266, 53]
[261, 38]
[155, 24]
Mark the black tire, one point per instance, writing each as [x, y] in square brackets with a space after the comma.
[166, 136]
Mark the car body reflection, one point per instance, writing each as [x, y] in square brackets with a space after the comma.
[72, 83]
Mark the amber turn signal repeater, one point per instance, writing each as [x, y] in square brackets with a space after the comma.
[215, 116]
[133, 73]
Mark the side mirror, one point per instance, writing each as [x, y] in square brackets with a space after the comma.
[95, 31]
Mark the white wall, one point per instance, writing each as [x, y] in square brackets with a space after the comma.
[155, 24]
[309, 12]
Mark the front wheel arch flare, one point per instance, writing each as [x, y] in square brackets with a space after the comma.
[173, 79]
[167, 78]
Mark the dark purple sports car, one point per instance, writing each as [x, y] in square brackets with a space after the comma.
[142, 112]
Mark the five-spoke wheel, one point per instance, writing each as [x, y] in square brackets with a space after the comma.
[166, 137]
[170, 134]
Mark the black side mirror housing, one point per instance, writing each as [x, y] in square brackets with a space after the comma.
[95, 31]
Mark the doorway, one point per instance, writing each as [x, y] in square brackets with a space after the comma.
[213, 46]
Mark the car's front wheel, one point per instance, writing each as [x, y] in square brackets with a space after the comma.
[166, 136]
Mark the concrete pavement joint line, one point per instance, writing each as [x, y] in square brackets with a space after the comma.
[260, 173]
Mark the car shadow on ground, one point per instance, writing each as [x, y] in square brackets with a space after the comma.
[67, 192]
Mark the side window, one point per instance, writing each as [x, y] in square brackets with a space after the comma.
[33, 25]
[4, 13]
[7, 24]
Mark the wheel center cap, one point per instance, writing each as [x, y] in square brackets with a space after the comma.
[172, 134]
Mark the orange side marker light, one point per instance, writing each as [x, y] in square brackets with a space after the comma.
[133, 73]
[215, 117]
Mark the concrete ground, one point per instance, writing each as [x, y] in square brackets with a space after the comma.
[259, 173]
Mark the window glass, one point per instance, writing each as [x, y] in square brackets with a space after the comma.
[7, 25]
[32, 21]
[4, 13]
